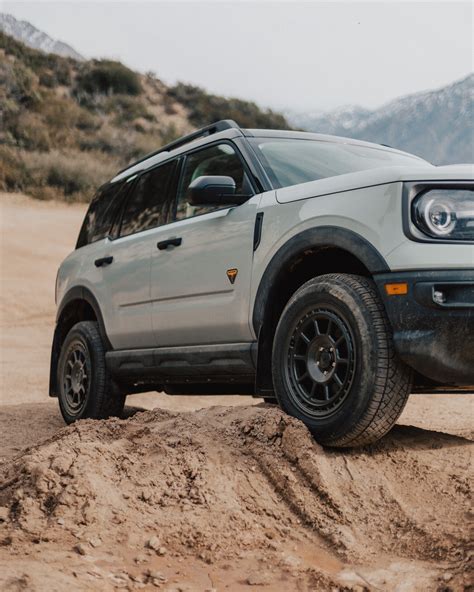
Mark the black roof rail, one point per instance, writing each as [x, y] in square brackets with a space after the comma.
[218, 126]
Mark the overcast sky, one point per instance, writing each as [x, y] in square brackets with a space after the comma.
[295, 55]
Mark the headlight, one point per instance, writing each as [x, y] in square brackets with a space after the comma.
[445, 213]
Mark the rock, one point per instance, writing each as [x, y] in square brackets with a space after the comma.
[61, 465]
[162, 551]
[95, 542]
[155, 577]
[120, 580]
[290, 561]
[137, 579]
[258, 579]
[153, 543]
[4, 512]
[80, 548]
[447, 576]
[60, 521]
[146, 495]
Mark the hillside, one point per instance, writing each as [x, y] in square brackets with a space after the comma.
[68, 125]
[437, 125]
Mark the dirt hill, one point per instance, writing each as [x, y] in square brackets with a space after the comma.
[122, 502]
[68, 125]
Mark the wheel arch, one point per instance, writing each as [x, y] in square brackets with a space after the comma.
[313, 252]
[78, 304]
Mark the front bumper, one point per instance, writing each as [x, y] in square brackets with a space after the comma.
[433, 323]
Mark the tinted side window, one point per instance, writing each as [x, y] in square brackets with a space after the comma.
[101, 213]
[150, 202]
[215, 160]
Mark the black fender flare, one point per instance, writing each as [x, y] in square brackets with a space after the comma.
[83, 293]
[75, 293]
[320, 236]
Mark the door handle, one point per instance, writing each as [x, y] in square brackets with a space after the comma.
[170, 242]
[103, 261]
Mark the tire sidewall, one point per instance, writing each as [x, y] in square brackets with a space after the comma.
[346, 303]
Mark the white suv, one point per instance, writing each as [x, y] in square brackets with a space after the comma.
[331, 275]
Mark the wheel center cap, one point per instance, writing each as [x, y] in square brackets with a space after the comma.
[325, 360]
[321, 359]
[77, 374]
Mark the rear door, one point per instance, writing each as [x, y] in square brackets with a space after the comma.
[147, 208]
[200, 284]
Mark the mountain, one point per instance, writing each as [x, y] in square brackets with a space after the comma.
[67, 126]
[437, 125]
[34, 38]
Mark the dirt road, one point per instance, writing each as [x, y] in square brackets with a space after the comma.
[207, 493]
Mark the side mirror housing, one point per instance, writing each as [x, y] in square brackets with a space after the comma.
[214, 190]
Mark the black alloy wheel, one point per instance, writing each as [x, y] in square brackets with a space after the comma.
[321, 362]
[76, 377]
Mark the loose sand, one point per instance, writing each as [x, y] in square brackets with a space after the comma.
[204, 493]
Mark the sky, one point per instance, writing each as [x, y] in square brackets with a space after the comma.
[304, 56]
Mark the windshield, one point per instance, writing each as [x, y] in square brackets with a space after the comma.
[291, 161]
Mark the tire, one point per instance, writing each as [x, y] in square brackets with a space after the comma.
[85, 388]
[333, 362]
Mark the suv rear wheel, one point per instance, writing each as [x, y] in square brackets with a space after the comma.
[334, 365]
[85, 389]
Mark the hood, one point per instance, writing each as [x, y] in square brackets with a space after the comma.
[371, 177]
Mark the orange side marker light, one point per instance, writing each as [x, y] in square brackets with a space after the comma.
[396, 289]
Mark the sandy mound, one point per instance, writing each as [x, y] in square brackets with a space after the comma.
[219, 484]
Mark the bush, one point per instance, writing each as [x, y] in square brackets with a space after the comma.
[107, 77]
[127, 109]
[74, 175]
[29, 131]
[205, 109]
[14, 175]
[18, 85]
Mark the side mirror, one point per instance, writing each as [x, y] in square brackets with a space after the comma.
[214, 190]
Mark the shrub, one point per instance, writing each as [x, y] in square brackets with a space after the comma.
[205, 108]
[29, 131]
[18, 84]
[127, 109]
[14, 175]
[72, 174]
[108, 77]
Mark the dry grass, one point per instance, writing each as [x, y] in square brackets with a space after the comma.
[71, 174]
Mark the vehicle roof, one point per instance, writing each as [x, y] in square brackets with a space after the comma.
[235, 132]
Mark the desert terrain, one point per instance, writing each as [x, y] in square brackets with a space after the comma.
[207, 493]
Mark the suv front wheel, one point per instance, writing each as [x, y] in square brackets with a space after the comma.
[334, 365]
[85, 389]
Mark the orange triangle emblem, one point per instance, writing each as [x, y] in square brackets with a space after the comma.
[232, 274]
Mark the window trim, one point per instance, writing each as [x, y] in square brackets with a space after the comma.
[99, 195]
[176, 160]
[184, 157]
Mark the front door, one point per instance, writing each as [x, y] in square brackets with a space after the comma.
[200, 282]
